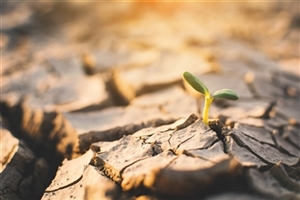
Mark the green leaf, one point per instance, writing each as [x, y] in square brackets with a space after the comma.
[225, 94]
[195, 83]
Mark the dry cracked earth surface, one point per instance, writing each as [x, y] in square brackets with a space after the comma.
[93, 104]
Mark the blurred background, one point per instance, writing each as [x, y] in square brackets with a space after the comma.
[57, 51]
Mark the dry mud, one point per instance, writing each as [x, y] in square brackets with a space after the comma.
[93, 104]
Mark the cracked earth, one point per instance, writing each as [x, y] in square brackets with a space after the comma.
[93, 104]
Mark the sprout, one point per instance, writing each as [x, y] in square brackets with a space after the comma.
[200, 87]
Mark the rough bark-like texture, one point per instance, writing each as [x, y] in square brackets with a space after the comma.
[93, 104]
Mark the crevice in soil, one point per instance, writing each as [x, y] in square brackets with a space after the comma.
[105, 104]
[241, 144]
[268, 110]
[280, 132]
[292, 143]
[253, 138]
[273, 137]
[156, 87]
[50, 138]
[223, 133]
[249, 81]
[66, 186]
[293, 171]
[121, 92]
[119, 98]
[207, 147]
[86, 139]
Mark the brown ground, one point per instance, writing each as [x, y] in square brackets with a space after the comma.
[93, 105]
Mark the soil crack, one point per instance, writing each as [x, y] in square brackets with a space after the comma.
[223, 133]
[86, 139]
[241, 144]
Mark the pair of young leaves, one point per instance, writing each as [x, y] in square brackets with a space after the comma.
[200, 87]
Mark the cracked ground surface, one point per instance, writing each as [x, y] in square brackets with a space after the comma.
[93, 104]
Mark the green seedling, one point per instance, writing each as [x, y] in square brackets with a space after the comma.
[200, 87]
